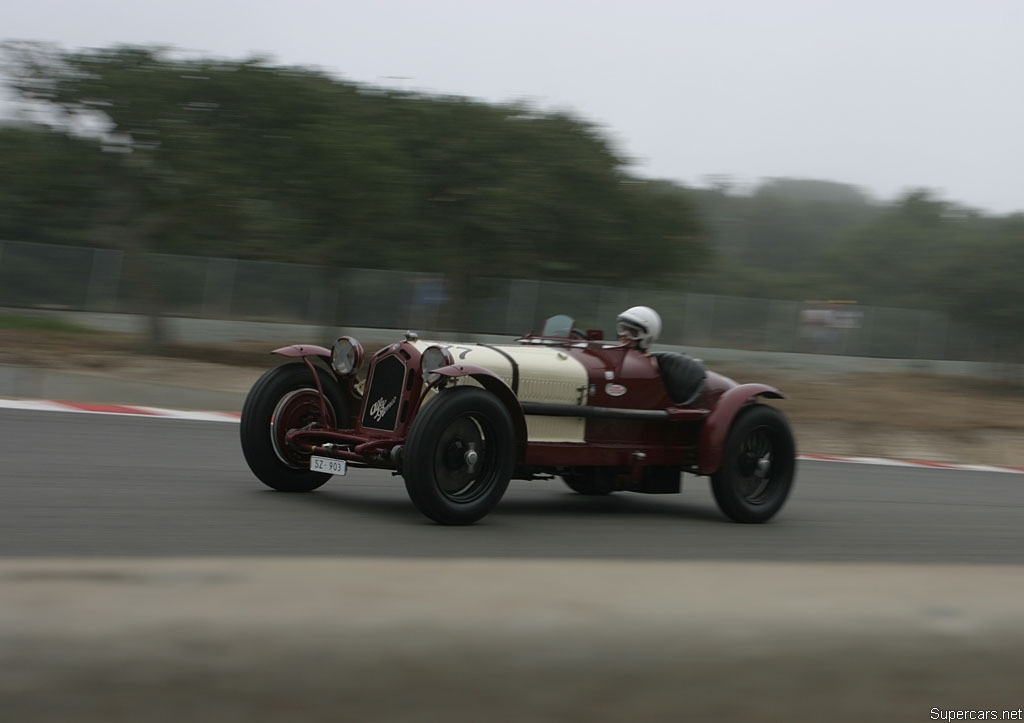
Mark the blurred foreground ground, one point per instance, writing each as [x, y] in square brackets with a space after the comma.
[468, 641]
[884, 414]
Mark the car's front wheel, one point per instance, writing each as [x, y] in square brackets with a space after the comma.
[758, 466]
[283, 399]
[459, 456]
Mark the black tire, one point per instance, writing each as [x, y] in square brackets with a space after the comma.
[285, 398]
[758, 466]
[441, 480]
[591, 481]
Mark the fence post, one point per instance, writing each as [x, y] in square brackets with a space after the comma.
[104, 280]
[931, 335]
[700, 319]
[684, 329]
[320, 304]
[510, 310]
[867, 344]
[2, 244]
[219, 288]
[611, 303]
[711, 320]
[323, 304]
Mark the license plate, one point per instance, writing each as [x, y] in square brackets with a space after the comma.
[328, 465]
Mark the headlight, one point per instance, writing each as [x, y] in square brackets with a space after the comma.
[434, 357]
[346, 355]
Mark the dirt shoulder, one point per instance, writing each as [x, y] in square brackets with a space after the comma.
[904, 416]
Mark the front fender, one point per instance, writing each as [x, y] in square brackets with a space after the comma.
[496, 386]
[300, 350]
[348, 384]
[716, 427]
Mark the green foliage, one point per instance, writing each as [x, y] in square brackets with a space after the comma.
[815, 240]
[250, 160]
[784, 223]
[50, 185]
[19, 322]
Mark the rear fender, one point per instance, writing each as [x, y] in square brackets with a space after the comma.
[496, 386]
[716, 427]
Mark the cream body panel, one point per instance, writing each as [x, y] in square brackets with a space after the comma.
[546, 374]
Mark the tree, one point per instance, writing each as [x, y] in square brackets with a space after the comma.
[252, 160]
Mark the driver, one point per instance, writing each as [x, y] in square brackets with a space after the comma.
[639, 324]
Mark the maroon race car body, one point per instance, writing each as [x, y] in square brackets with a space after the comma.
[459, 421]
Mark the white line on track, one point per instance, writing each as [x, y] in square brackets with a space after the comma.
[43, 405]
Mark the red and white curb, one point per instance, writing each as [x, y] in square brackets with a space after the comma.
[198, 416]
[119, 409]
[909, 463]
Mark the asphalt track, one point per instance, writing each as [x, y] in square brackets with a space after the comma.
[147, 576]
[106, 485]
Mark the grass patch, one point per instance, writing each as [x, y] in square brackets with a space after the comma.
[16, 322]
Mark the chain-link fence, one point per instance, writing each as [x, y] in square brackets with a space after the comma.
[89, 279]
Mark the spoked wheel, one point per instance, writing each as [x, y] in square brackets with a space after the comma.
[758, 466]
[283, 399]
[296, 409]
[459, 456]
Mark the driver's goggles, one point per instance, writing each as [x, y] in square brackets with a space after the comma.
[628, 330]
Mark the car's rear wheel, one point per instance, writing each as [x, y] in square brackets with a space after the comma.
[459, 456]
[758, 466]
[286, 398]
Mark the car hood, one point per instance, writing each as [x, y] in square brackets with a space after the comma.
[536, 373]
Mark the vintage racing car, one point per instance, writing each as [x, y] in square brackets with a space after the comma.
[459, 421]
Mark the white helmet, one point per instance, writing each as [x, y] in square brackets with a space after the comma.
[640, 323]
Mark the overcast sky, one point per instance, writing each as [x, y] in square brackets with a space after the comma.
[885, 94]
